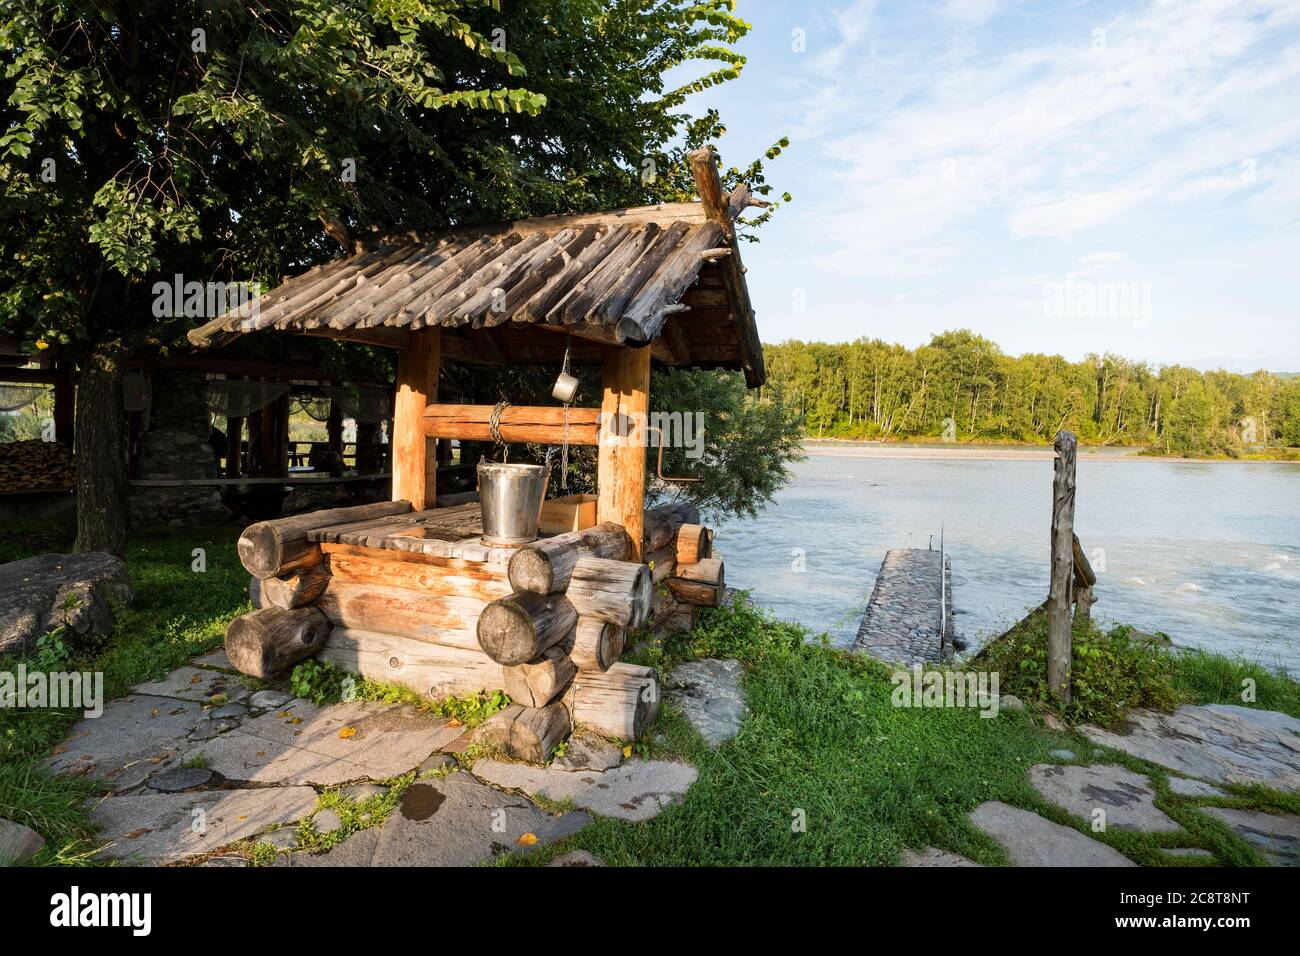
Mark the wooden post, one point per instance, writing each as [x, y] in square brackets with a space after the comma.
[1059, 648]
[414, 469]
[620, 461]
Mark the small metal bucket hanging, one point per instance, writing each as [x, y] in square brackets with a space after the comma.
[511, 496]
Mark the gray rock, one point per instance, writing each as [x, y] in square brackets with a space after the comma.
[577, 858]
[1010, 702]
[207, 729]
[933, 856]
[1052, 722]
[75, 591]
[166, 828]
[326, 821]
[1032, 841]
[214, 658]
[589, 752]
[636, 791]
[326, 746]
[1193, 788]
[1188, 851]
[267, 699]
[190, 683]
[452, 821]
[180, 779]
[709, 694]
[361, 792]
[132, 738]
[232, 711]
[1219, 743]
[439, 761]
[285, 838]
[1276, 835]
[18, 842]
[1061, 754]
[1126, 797]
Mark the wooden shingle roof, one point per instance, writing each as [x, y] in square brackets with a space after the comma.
[665, 275]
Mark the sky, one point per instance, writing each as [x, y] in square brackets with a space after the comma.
[1060, 177]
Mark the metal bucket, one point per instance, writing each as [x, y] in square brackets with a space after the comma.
[511, 497]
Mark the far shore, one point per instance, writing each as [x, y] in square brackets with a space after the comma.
[980, 451]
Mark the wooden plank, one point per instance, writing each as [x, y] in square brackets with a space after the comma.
[620, 465]
[437, 618]
[470, 580]
[414, 465]
[434, 670]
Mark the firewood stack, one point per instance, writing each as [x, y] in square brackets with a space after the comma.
[546, 623]
[35, 465]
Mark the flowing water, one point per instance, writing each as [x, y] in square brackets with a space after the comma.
[1208, 553]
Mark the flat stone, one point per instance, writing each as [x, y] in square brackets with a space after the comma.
[1189, 851]
[285, 838]
[326, 821]
[180, 779]
[132, 738]
[232, 711]
[214, 658]
[636, 791]
[1125, 796]
[74, 591]
[326, 746]
[190, 683]
[439, 761]
[1032, 841]
[1221, 743]
[1277, 835]
[1193, 788]
[577, 858]
[452, 821]
[361, 792]
[207, 729]
[166, 828]
[589, 752]
[933, 856]
[18, 842]
[266, 699]
[709, 694]
[1061, 754]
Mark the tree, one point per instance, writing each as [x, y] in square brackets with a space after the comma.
[145, 139]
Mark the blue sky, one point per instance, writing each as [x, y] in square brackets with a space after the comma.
[956, 163]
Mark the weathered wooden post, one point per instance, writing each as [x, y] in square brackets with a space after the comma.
[620, 462]
[1058, 597]
[1084, 579]
[414, 469]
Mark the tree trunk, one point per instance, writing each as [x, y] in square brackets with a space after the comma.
[103, 503]
[1059, 650]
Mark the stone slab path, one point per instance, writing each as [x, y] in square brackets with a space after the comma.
[636, 791]
[1031, 840]
[709, 693]
[1124, 799]
[904, 619]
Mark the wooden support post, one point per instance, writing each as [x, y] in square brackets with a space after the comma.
[620, 469]
[1059, 648]
[64, 400]
[414, 469]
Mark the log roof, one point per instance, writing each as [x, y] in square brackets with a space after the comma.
[666, 275]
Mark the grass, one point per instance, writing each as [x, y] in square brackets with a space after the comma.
[177, 614]
[825, 771]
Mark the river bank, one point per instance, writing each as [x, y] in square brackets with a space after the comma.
[993, 451]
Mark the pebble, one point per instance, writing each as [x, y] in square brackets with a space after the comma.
[439, 761]
[360, 792]
[231, 711]
[1061, 754]
[207, 729]
[266, 699]
[326, 821]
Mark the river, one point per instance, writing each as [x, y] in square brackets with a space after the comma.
[1208, 553]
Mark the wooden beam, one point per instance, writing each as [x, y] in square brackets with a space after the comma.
[620, 469]
[414, 467]
[518, 423]
[1059, 650]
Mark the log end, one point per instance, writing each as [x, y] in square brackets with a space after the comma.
[530, 570]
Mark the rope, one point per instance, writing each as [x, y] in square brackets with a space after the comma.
[494, 427]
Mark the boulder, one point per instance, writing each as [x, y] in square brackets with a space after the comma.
[75, 591]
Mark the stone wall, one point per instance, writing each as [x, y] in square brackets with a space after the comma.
[175, 446]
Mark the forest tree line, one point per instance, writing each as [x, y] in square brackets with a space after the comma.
[961, 386]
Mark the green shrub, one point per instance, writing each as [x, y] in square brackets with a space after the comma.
[1111, 671]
